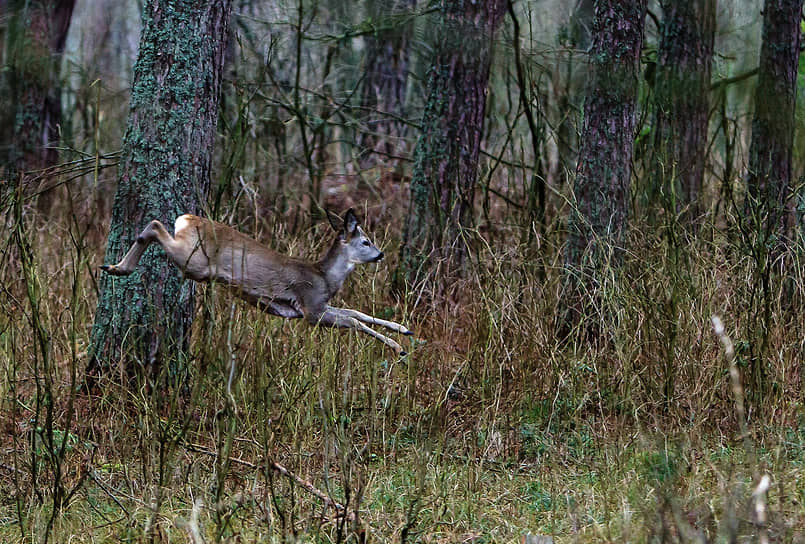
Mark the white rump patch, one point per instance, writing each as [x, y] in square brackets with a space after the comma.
[181, 223]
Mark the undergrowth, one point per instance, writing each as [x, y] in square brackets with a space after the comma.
[492, 429]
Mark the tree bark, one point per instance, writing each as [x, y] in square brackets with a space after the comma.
[598, 218]
[681, 105]
[575, 38]
[447, 152]
[35, 42]
[144, 319]
[769, 176]
[385, 80]
[771, 147]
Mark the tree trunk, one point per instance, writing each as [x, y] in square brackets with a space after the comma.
[574, 39]
[385, 79]
[165, 172]
[769, 175]
[772, 142]
[598, 218]
[446, 155]
[681, 105]
[35, 42]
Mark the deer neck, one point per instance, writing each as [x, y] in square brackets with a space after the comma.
[335, 266]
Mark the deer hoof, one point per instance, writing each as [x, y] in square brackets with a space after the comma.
[408, 332]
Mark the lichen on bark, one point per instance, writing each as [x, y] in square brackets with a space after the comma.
[144, 319]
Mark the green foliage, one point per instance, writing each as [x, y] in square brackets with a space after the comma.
[658, 467]
[539, 499]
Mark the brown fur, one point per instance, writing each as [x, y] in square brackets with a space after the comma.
[285, 286]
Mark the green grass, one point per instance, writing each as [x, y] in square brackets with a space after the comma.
[621, 491]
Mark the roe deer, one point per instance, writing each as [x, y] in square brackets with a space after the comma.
[281, 285]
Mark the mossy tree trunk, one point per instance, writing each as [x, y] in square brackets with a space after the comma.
[600, 208]
[681, 105]
[144, 319]
[447, 152]
[771, 147]
[37, 31]
[385, 79]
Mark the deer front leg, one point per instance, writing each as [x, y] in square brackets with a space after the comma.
[366, 318]
[333, 318]
[154, 232]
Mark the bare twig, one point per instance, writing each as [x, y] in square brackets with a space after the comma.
[276, 467]
[93, 475]
[735, 79]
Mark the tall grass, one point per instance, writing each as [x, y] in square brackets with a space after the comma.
[491, 429]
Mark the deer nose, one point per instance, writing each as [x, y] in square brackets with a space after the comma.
[378, 258]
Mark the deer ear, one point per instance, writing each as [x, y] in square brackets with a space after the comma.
[350, 223]
[336, 222]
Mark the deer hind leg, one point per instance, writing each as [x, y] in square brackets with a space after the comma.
[154, 232]
[332, 317]
[365, 318]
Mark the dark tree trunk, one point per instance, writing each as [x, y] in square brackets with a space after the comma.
[771, 148]
[385, 79]
[681, 105]
[446, 155]
[165, 172]
[575, 38]
[598, 218]
[769, 176]
[36, 35]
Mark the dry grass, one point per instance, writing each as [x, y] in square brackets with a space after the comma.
[490, 430]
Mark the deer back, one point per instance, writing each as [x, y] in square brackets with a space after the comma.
[256, 273]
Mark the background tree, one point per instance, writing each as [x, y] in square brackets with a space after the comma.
[681, 105]
[770, 151]
[769, 178]
[37, 30]
[388, 53]
[446, 155]
[575, 38]
[601, 190]
[164, 172]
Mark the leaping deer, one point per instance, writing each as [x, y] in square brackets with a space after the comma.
[288, 287]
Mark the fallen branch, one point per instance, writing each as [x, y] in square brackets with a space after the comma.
[304, 484]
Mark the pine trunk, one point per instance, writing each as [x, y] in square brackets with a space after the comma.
[769, 177]
[36, 35]
[385, 81]
[681, 106]
[598, 218]
[144, 319]
[771, 147]
[447, 152]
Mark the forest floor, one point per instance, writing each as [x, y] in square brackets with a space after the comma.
[488, 431]
[579, 487]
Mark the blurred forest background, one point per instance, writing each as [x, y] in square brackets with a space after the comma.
[593, 217]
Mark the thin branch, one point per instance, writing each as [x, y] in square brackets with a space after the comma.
[735, 79]
[304, 484]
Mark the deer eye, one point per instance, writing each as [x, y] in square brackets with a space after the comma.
[366, 243]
